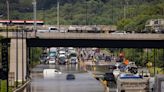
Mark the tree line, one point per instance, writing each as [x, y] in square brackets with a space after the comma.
[129, 15]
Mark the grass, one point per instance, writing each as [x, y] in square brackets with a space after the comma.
[158, 70]
[4, 86]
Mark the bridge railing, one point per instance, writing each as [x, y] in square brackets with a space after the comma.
[100, 36]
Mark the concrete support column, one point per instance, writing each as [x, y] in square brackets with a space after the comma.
[14, 65]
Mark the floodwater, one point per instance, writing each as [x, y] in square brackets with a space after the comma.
[84, 81]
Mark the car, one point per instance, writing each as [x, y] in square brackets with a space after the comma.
[62, 59]
[70, 48]
[109, 77]
[118, 32]
[43, 59]
[53, 29]
[70, 77]
[62, 52]
[73, 60]
[107, 58]
[51, 61]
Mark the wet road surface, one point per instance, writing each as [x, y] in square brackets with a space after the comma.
[84, 81]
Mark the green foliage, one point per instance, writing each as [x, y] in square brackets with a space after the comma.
[36, 52]
[35, 55]
[142, 56]
[4, 86]
[128, 15]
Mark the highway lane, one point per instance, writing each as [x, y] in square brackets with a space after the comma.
[84, 81]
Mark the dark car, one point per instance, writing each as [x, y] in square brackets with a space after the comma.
[109, 77]
[107, 58]
[70, 77]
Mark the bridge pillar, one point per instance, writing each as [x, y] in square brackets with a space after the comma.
[18, 62]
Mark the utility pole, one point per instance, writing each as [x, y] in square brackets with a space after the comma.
[112, 14]
[43, 15]
[8, 15]
[58, 14]
[34, 16]
[154, 61]
[124, 11]
[86, 17]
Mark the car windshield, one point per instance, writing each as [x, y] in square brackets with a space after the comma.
[73, 59]
[51, 59]
[62, 58]
[53, 54]
[73, 55]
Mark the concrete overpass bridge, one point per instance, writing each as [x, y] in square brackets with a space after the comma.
[20, 44]
[89, 40]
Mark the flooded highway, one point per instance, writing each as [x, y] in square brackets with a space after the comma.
[84, 81]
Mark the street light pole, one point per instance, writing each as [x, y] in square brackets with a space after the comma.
[8, 15]
[58, 14]
[86, 20]
[154, 61]
[34, 16]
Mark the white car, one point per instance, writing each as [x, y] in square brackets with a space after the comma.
[70, 48]
[62, 52]
[42, 31]
[73, 60]
[53, 49]
[53, 29]
[51, 61]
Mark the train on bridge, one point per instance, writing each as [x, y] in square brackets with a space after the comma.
[12, 25]
[21, 22]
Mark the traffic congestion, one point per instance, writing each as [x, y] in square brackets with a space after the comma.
[114, 71]
[60, 55]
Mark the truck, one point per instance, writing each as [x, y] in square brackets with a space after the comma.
[132, 83]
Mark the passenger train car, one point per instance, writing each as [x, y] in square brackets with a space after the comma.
[21, 22]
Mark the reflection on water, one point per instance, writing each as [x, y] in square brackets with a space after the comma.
[38, 77]
[103, 68]
[84, 81]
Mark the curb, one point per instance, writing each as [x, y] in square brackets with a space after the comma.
[22, 87]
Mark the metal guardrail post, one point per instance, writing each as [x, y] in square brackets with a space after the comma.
[163, 61]
[16, 58]
[22, 57]
[154, 61]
